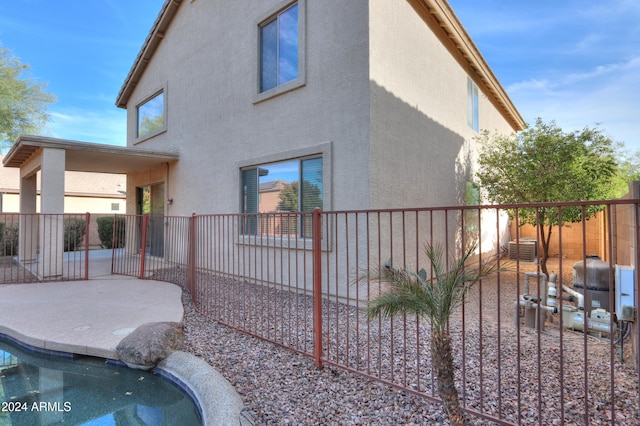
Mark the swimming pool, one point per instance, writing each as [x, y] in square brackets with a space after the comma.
[38, 388]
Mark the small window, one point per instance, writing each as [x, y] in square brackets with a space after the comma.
[472, 216]
[151, 116]
[279, 44]
[472, 104]
[115, 207]
[284, 187]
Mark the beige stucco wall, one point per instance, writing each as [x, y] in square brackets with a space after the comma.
[207, 65]
[383, 100]
[380, 88]
[422, 150]
[98, 205]
[419, 130]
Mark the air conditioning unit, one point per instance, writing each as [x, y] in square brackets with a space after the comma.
[525, 249]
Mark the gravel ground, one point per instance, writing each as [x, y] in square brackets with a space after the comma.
[283, 387]
[12, 272]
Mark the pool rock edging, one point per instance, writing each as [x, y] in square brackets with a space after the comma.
[150, 343]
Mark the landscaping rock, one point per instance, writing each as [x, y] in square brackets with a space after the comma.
[149, 344]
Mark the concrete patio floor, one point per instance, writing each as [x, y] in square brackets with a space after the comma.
[85, 317]
[91, 317]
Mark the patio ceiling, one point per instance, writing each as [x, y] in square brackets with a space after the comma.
[89, 157]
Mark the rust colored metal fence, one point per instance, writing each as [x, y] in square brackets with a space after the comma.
[43, 247]
[304, 280]
[154, 247]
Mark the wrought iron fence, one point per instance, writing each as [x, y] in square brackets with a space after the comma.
[43, 247]
[304, 281]
[522, 356]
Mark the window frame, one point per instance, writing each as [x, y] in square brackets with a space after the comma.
[324, 150]
[300, 165]
[163, 128]
[300, 80]
[473, 197]
[473, 107]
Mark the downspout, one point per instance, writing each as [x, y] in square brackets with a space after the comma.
[169, 198]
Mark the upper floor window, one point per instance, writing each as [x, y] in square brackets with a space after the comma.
[281, 48]
[472, 104]
[279, 43]
[151, 115]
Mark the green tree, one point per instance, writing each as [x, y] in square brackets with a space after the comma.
[151, 124]
[544, 164]
[289, 198]
[435, 299]
[23, 101]
[629, 170]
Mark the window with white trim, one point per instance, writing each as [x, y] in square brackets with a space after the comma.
[284, 187]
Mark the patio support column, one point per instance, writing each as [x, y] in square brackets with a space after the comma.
[51, 209]
[28, 233]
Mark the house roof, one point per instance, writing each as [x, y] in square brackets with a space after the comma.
[440, 17]
[79, 184]
[159, 28]
[88, 157]
[453, 35]
[274, 186]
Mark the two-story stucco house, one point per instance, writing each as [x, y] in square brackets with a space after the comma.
[369, 104]
[375, 102]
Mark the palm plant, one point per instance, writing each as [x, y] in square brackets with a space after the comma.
[435, 299]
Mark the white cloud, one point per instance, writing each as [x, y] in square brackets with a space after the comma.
[107, 127]
[574, 61]
[606, 95]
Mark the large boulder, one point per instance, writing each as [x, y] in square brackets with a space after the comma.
[149, 344]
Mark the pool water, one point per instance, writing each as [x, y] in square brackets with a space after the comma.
[39, 389]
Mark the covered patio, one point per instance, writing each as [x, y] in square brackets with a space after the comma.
[41, 236]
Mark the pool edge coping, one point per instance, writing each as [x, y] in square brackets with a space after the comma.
[192, 375]
[204, 383]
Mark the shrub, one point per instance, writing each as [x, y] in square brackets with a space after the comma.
[106, 231]
[9, 233]
[2, 235]
[74, 232]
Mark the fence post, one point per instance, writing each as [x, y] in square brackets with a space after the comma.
[316, 226]
[143, 244]
[191, 257]
[87, 218]
[114, 236]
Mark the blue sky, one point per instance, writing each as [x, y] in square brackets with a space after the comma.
[84, 50]
[573, 61]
